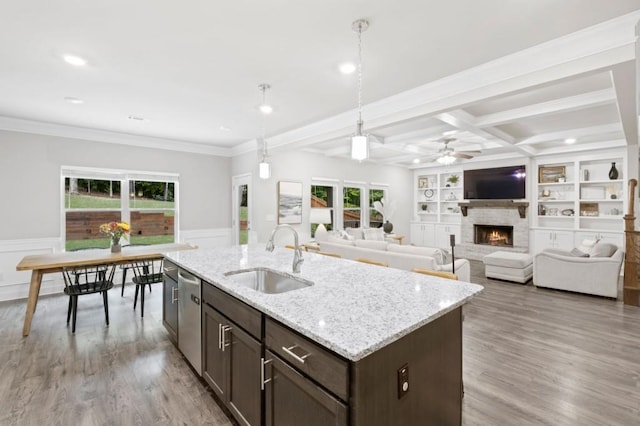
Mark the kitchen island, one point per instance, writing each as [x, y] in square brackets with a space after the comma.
[362, 345]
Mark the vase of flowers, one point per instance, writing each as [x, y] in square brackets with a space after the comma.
[116, 231]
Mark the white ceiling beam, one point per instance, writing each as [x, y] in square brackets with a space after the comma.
[624, 82]
[465, 121]
[571, 103]
[572, 133]
[416, 135]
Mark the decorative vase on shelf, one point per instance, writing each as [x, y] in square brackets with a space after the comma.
[115, 246]
[613, 172]
[387, 227]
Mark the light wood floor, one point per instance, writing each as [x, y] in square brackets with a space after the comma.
[531, 357]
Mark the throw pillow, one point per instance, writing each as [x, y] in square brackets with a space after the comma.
[336, 240]
[586, 245]
[579, 253]
[603, 250]
[373, 234]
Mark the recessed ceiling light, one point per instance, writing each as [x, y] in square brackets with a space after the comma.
[225, 129]
[347, 68]
[75, 60]
[265, 109]
[416, 160]
[73, 100]
[569, 141]
[449, 132]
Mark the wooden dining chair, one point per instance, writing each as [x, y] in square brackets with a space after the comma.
[371, 262]
[441, 274]
[125, 268]
[145, 272]
[81, 280]
[327, 253]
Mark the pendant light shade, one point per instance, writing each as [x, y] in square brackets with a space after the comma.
[264, 167]
[359, 141]
[359, 147]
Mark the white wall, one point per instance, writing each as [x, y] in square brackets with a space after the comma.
[31, 217]
[301, 166]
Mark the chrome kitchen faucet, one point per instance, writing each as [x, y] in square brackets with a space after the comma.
[297, 253]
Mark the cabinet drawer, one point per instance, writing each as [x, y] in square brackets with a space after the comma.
[326, 368]
[237, 311]
[170, 269]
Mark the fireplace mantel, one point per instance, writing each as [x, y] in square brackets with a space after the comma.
[492, 204]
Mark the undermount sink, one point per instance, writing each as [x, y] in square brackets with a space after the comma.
[267, 280]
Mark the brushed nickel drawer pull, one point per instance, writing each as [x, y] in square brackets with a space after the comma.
[174, 297]
[219, 336]
[298, 358]
[224, 329]
[263, 364]
[166, 270]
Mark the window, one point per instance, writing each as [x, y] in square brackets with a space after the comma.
[152, 212]
[351, 211]
[322, 197]
[94, 196]
[375, 217]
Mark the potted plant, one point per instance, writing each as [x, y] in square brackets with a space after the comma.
[453, 179]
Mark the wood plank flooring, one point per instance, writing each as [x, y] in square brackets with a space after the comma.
[531, 357]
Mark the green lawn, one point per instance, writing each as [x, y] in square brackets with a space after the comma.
[80, 201]
[104, 242]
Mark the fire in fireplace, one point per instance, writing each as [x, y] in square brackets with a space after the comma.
[493, 235]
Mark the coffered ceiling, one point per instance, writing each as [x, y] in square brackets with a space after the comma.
[504, 77]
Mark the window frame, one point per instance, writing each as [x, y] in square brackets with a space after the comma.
[124, 177]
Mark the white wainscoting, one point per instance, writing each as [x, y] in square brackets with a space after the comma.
[15, 284]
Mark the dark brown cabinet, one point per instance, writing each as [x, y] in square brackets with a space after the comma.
[300, 382]
[292, 400]
[170, 300]
[232, 363]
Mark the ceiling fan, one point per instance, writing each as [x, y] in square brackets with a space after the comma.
[447, 155]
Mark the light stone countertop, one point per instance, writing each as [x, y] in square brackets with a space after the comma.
[353, 308]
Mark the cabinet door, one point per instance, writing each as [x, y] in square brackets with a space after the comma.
[542, 240]
[443, 233]
[417, 237]
[242, 355]
[563, 240]
[213, 370]
[293, 400]
[170, 307]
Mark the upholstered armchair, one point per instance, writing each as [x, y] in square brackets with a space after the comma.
[563, 270]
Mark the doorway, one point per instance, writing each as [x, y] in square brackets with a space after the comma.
[241, 196]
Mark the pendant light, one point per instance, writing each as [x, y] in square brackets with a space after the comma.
[264, 168]
[359, 142]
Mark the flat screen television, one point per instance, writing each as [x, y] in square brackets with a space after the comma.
[498, 183]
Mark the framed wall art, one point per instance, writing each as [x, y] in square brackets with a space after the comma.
[551, 174]
[289, 202]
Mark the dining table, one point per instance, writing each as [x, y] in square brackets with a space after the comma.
[42, 264]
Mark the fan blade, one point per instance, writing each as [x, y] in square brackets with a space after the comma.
[461, 155]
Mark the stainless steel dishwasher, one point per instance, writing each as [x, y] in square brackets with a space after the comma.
[189, 318]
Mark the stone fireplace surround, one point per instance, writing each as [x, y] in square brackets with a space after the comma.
[492, 213]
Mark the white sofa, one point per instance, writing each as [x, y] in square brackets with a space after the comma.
[396, 255]
[563, 270]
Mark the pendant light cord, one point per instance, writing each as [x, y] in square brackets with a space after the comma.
[359, 75]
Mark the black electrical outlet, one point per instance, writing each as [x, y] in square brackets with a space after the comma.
[403, 380]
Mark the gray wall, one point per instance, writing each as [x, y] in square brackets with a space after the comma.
[301, 166]
[30, 170]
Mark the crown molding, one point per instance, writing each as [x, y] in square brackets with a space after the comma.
[74, 132]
